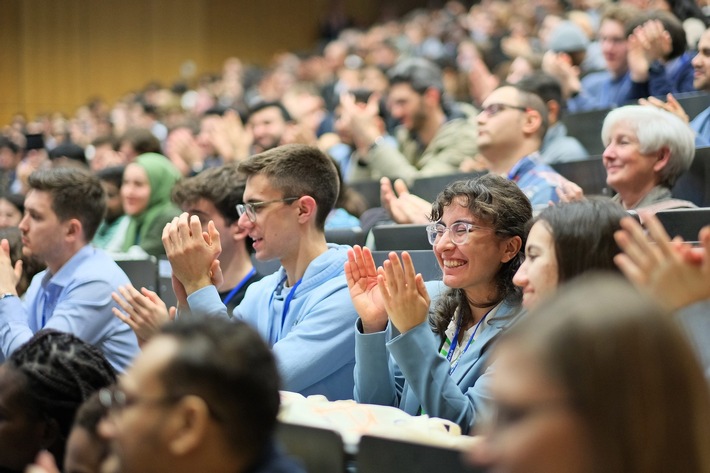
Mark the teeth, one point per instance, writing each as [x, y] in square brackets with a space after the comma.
[453, 264]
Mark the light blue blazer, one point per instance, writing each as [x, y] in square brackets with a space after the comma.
[407, 371]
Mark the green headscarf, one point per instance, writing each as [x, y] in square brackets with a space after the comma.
[162, 176]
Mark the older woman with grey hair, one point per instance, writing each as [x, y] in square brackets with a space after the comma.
[647, 149]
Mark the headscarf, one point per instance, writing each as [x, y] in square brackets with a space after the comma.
[162, 176]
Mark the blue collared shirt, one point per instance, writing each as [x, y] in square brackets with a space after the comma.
[79, 297]
[701, 125]
[537, 181]
[601, 90]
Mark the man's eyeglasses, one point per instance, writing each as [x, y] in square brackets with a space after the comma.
[115, 400]
[496, 108]
[251, 208]
[458, 232]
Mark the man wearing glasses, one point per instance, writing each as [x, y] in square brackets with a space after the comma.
[303, 310]
[511, 125]
[202, 396]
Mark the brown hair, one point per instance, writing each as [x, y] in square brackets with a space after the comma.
[500, 203]
[630, 374]
[76, 193]
[298, 170]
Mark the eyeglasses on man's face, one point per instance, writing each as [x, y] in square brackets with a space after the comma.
[459, 232]
[251, 208]
[115, 400]
[496, 108]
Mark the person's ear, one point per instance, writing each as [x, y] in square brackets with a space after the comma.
[553, 111]
[663, 156]
[307, 208]
[74, 228]
[511, 247]
[188, 425]
[432, 97]
[532, 122]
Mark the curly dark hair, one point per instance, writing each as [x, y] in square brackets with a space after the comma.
[497, 202]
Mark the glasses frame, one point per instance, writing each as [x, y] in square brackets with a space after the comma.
[250, 208]
[494, 109]
[115, 401]
[434, 236]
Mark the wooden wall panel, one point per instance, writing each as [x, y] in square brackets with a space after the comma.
[10, 68]
[54, 55]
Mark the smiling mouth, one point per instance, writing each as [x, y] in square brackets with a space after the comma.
[453, 264]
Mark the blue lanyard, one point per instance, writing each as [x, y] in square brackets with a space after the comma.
[236, 289]
[289, 298]
[455, 341]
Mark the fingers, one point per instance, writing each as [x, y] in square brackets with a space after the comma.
[408, 265]
[634, 243]
[632, 272]
[400, 187]
[704, 237]
[421, 288]
[659, 235]
[394, 273]
[18, 270]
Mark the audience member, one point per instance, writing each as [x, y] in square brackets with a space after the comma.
[556, 146]
[301, 309]
[135, 142]
[68, 154]
[42, 384]
[646, 151]
[212, 195]
[10, 157]
[511, 127]
[566, 241]
[102, 153]
[30, 264]
[485, 220]
[12, 208]
[659, 62]
[202, 396]
[112, 232]
[551, 366]
[701, 82]
[607, 88]
[145, 194]
[86, 452]
[62, 211]
[433, 137]
[268, 123]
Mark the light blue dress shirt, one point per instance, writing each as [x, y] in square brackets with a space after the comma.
[77, 300]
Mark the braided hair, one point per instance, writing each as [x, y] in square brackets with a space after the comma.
[61, 371]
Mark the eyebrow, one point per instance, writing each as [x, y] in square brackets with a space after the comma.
[197, 212]
[459, 221]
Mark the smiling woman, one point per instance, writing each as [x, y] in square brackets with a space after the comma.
[145, 193]
[565, 241]
[647, 149]
[583, 388]
[477, 236]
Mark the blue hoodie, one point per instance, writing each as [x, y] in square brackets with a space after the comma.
[314, 344]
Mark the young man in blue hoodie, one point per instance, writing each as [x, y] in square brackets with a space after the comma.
[303, 310]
